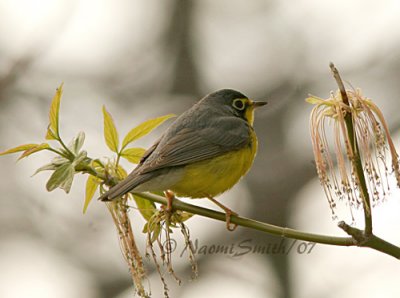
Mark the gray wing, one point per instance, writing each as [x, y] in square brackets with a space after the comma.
[184, 144]
[132, 180]
[191, 144]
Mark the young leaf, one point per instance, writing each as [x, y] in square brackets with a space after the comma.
[66, 185]
[62, 178]
[37, 148]
[155, 233]
[153, 226]
[144, 128]
[110, 132]
[91, 186]
[59, 160]
[133, 155]
[121, 173]
[79, 158]
[52, 130]
[19, 148]
[146, 228]
[183, 216]
[50, 134]
[96, 163]
[146, 207]
[77, 142]
[315, 100]
[48, 167]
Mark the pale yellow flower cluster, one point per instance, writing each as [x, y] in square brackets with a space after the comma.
[371, 145]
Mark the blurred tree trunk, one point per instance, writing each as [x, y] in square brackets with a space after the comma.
[178, 37]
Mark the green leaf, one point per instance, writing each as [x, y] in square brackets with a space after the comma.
[133, 155]
[79, 158]
[155, 233]
[59, 160]
[52, 130]
[146, 228]
[110, 132]
[183, 216]
[92, 184]
[77, 142]
[62, 178]
[121, 172]
[144, 128]
[50, 134]
[153, 226]
[19, 148]
[96, 163]
[315, 100]
[48, 167]
[146, 207]
[37, 148]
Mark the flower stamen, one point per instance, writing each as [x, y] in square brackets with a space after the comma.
[372, 135]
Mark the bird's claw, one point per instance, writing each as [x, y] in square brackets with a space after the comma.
[229, 225]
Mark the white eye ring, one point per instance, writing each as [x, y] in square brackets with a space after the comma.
[239, 104]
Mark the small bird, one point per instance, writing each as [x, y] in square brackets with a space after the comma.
[204, 152]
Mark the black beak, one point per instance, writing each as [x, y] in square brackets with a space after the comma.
[257, 104]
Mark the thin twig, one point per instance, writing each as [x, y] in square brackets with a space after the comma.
[356, 160]
[250, 223]
[371, 241]
[374, 242]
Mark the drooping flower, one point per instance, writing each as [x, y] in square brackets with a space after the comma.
[372, 143]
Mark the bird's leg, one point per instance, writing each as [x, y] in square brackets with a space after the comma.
[228, 212]
[170, 196]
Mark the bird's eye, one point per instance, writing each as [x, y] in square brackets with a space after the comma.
[238, 104]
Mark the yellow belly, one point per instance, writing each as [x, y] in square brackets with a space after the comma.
[214, 176]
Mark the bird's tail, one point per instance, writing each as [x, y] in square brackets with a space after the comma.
[125, 186]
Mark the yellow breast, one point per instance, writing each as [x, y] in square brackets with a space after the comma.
[214, 176]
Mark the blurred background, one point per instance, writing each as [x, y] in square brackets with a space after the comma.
[144, 59]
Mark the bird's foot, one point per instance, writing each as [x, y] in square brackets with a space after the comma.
[228, 213]
[229, 225]
[170, 196]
